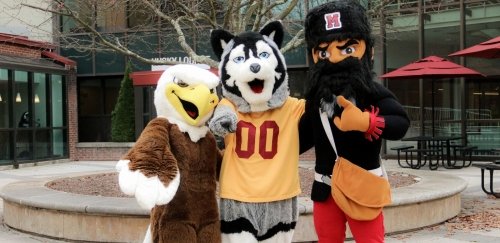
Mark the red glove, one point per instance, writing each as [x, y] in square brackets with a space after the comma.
[376, 125]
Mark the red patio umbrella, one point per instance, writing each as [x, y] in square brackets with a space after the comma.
[432, 67]
[487, 49]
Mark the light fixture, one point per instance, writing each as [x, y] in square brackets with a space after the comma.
[1, 98]
[18, 98]
[37, 99]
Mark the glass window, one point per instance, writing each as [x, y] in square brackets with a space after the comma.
[90, 97]
[109, 62]
[42, 144]
[145, 43]
[97, 99]
[40, 99]
[483, 112]
[57, 101]
[5, 148]
[83, 57]
[4, 104]
[442, 96]
[25, 105]
[59, 141]
[4, 74]
[22, 117]
[24, 145]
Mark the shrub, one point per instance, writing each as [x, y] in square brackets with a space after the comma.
[122, 117]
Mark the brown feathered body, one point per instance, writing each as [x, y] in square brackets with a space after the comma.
[192, 215]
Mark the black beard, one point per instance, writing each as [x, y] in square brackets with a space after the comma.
[351, 78]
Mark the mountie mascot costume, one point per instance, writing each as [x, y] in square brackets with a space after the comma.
[259, 180]
[359, 113]
[171, 169]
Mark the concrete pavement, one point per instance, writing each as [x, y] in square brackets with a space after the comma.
[474, 203]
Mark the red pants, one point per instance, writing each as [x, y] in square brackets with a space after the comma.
[330, 223]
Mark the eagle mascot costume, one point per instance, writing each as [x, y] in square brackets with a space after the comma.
[345, 104]
[259, 180]
[171, 169]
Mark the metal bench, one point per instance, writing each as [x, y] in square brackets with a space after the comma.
[423, 155]
[464, 151]
[490, 167]
[398, 150]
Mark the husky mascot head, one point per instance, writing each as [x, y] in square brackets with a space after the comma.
[252, 69]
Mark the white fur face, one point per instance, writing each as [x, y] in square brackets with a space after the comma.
[254, 73]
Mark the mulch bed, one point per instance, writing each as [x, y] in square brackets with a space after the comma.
[106, 184]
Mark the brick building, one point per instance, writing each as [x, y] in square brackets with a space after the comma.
[37, 101]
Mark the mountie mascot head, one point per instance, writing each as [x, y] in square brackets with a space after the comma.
[252, 69]
[339, 41]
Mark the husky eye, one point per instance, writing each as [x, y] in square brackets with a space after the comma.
[180, 82]
[239, 59]
[323, 54]
[264, 55]
[348, 51]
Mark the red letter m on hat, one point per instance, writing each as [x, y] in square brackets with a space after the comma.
[332, 21]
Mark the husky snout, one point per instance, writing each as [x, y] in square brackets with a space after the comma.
[255, 67]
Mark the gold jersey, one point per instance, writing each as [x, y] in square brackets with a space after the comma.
[261, 158]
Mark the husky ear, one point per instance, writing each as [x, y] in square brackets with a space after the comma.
[274, 31]
[219, 39]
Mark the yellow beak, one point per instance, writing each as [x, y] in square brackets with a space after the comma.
[193, 103]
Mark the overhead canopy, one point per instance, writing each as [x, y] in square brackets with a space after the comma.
[150, 78]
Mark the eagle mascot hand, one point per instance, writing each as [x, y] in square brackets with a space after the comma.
[171, 169]
[259, 180]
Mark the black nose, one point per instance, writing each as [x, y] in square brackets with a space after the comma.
[255, 68]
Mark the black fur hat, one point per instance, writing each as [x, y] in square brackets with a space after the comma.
[337, 20]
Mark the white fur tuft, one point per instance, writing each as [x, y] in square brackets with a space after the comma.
[127, 179]
[148, 191]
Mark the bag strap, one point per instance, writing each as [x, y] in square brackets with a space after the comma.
[328, 130]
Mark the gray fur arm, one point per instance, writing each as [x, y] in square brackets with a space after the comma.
[223, 122]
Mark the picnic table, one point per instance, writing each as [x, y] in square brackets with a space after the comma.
[432, 147]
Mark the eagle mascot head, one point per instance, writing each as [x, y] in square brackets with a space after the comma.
[252, 69]
[185, 95]
[340, 44]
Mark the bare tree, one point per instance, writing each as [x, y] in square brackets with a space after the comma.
[116, 25]
[160, 26]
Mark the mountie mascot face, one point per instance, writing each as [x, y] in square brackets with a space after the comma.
[252, 69]
[339, 40]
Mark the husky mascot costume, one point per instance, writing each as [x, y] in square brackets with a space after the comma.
[344, 103]
[171, 169]
[259, 179]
